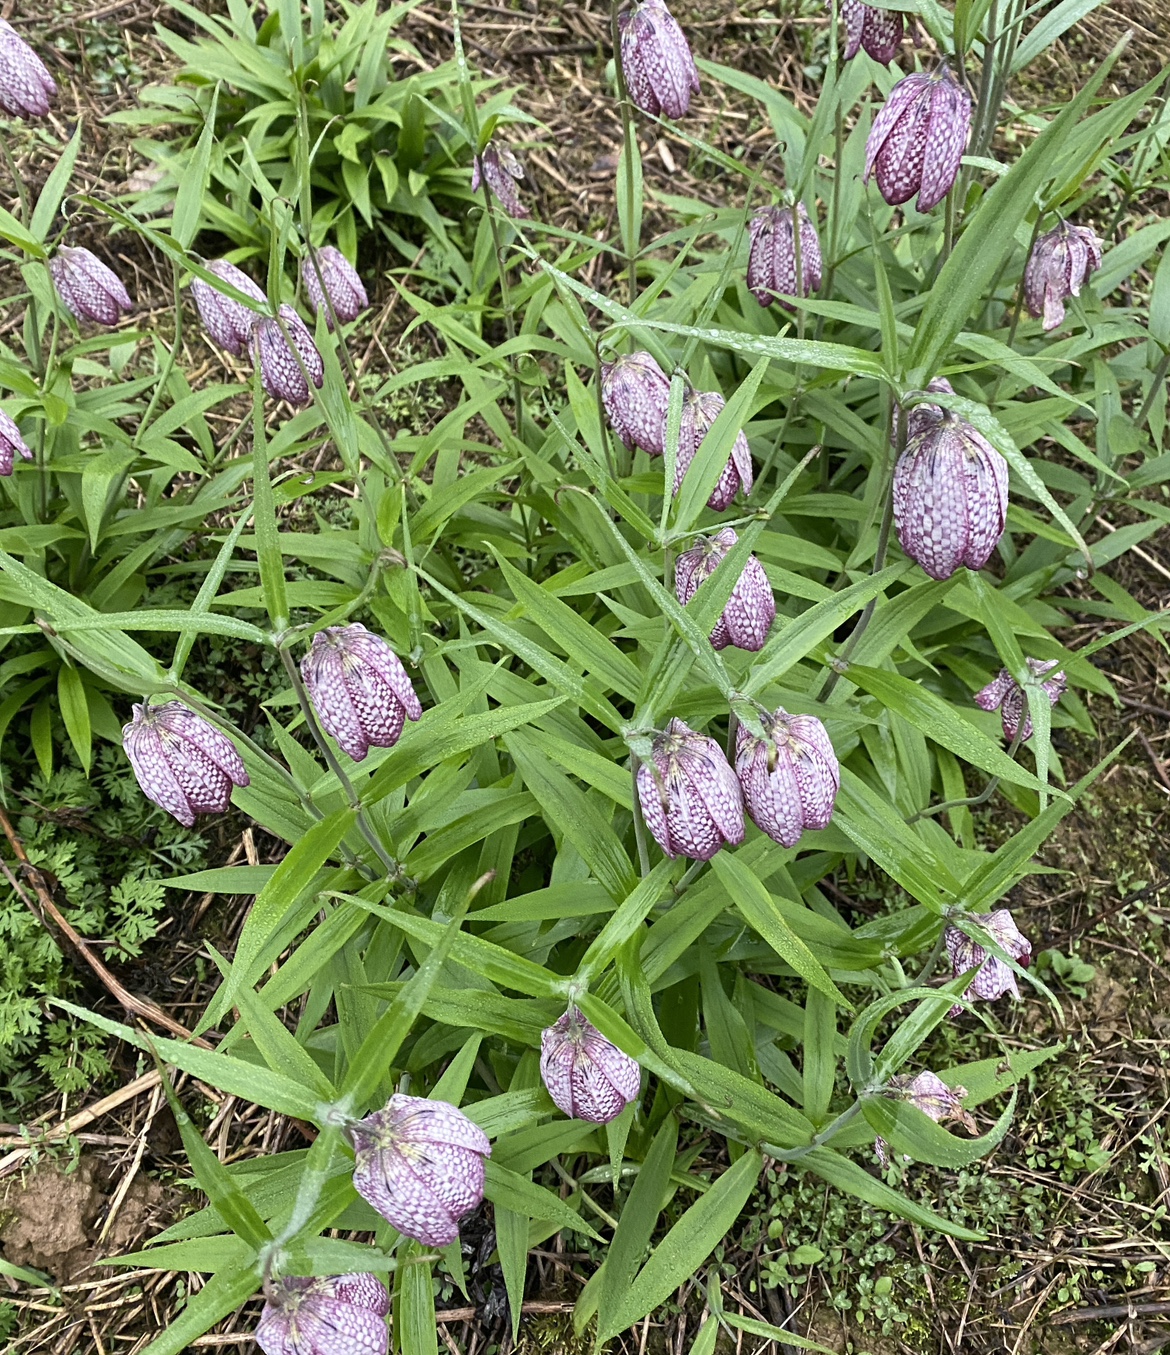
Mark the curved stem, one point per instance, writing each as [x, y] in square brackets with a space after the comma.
[984, 795]
[630, 143]
[506, 304]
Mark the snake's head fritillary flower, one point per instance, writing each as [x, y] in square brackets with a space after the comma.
[994, 977]
[359, 688]
[89, 288]
[660, 71]
[26, 87]
[329, 1315]
[772, 264]
[345, 290]
[950, 494]
[750, 610]
[10, 443]
[420, 1164]
[690, 798]
[635, 393]
[498, 167]
[226, 321]
[700, 410]
[1004, 693]
[933, 1097]
[1059, 264]
[790, 780]
[282, 373]
[587, 1077]
[920, 417]
[183, 764]
[918, 139]
[878, 31]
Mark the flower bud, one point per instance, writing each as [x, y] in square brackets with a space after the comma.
[795, 786]
[750, 610]
[1059, 264]
[359, 688]
[700, 410]
[933, 1097]
[994, 977]
[280, 370]
[329, 1315]
[690, 798]
[10, 443]
[950, 494]
[656, 58]
[918, 139]
[499, 167]
[183, 764]
[420, 1164]
[90, 289]
[587, 1077]
[26, 87]
[1004, 693]
[635, 392]
[878, 31]
[228, 323]
[345, 289]
[772, 264]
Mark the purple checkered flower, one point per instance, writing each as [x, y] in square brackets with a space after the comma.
[500, 168]
[994, 977]
[878, 31]
[26, 87]
[345, 289]
[920, 417]
[420, 1164]
[1059, 264]
[635, 392]
[690, 798]
[660, 71]
[330, 1315]
[950, 494]
[587, 1077]
[281, 372]
[750, 610]
[772, 257]
[359, 688]
[89, 288]
[790, 783]
[1004, 693]
[700, 410]
[227, 322]
[183, 764]
[933, 1097]
[10, 443]
[918, 139]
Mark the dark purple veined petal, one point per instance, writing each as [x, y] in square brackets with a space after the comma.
[343, 286]
[878, 31]
[635, 393]
[329, 1315]
[90, 289]
[659, 69]
[26, 87]
[700, 410]
[750, 610]
[499, 168]
[772, 263]
[227, 322]
[182, 763]
[794, 787]
[586, 1075]
[918, 138]
[283, 364]
[994, 978]
[690, 798]
[1004, 694]
[1057, 268]
[359, 689]
[11, 443]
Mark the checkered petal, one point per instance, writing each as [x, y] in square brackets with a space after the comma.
[281, 373]
[635, 393]
[330, 1315]
[500, 168]
[182, 764]
[994, 978]
[1057, 268]
[704, 804]
[750, 610]
[799, 790]
[897, 139]
[587, 1077]
[359, 688]
[10, 443]
[227, 322]
[656, 58]
[772, 256]
[26, 87]
[946, 139]
[700, 410]
[90, 289]
[343, 286]
[878, 31]
[992, 696]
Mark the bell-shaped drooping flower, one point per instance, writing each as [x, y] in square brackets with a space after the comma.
[587, 1077]
[994, 977]
[359, 688]
[499, 168]
[89, 288]
[950, 494]
[183, 764]
[26, 87]
[329, 1315]
[1004, 693]
[750, 610]
[918, 139]
[282, 373]
[690, 798]
[420, 1164]
[227, 322]
[10, 443]
[346, 292]
[1059, 264]
[921, 417]
[794, 787]
[700, 410]
[635, 392]
[878, 31]
[772, 264]
[933, 1097]
[660, 71]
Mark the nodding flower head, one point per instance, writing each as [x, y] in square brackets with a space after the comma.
[11, 443]
[878, 32]
[343, 287]
[700, 410]
[498, 167]
[227, 322]
[792, 784]
[690, 798]
[1058, 266]
[182, 764]
[918, 138]
[772, 263]
[660, 71]
[26, 87]
[994, 977]
[750, 610]
[90, 289]
[287, 365]
[1004, 693]
[635, 393]
[329, 1315]
[587, 1077]
[931, 1095]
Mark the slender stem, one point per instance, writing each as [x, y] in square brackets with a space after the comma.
[18, 181]
[984, 795]
[732, 731]
[829, 1131]
[506, 304]
[932, 959]
[1018, 309]
[688, 877]
[639, 821]
[630, 145]
[1158, 378]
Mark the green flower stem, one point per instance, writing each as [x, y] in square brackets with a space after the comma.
[639, 821]
[629, 142]
[18, 182]
[984, 795]
[505, 301]
[819, 1140]
[932, 959]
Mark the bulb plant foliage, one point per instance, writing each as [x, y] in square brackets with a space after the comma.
[596, 698]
